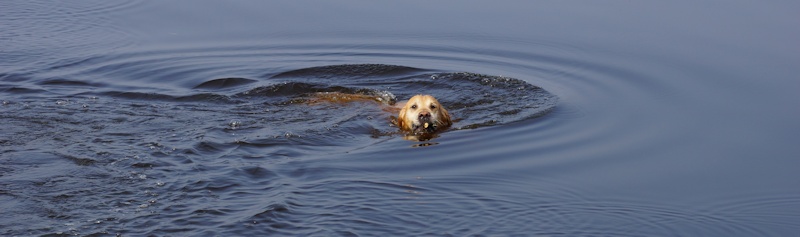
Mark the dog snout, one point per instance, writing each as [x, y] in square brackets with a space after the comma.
[424, 114]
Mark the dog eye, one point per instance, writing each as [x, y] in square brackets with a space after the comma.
[433, 106]
[414, 106]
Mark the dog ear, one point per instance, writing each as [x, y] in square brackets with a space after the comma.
[445, 116]
[401, 118]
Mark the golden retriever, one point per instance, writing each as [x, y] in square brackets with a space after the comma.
[423, 114]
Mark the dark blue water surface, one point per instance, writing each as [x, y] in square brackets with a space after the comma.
[609, 118]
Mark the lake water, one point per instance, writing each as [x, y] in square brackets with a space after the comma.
[596, 118]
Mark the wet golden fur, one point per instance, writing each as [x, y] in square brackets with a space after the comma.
[415, 109]
[413, 114]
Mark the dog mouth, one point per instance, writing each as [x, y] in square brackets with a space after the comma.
[424, 125]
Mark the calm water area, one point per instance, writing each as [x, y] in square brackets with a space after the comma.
[573, 118]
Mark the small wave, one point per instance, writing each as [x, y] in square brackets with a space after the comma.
[67, 82]
[13, 77]
[349, 70]
[224, 83]
[200, 97]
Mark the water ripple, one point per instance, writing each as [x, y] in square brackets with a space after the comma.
[212, 138]
[47, 34]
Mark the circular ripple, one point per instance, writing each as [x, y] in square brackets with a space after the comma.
[474, 100]
[56, 33]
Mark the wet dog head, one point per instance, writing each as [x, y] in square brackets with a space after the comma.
[423, 114]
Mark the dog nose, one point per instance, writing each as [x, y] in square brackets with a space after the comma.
[424, 114]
